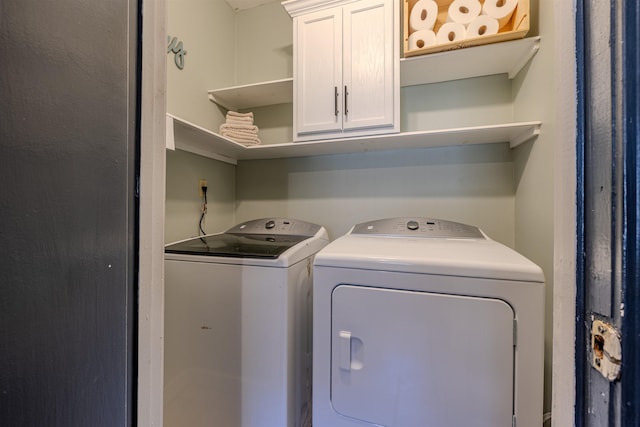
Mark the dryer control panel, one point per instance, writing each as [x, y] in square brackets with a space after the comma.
[418, 227]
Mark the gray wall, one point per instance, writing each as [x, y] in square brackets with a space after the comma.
[535, 97]
[183, 205]
[67, 212]
[469, 184]
[206, 30]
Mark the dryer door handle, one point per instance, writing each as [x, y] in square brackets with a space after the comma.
[344, 337]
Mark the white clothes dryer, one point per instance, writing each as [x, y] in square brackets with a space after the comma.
[421, 322]
[238, 325]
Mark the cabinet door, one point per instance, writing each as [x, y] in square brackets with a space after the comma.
[369, 64]
[318, 72]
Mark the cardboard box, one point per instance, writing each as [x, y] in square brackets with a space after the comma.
[516, 28]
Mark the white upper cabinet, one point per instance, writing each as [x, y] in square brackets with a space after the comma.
[346, 68]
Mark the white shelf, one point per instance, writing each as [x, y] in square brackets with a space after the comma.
[193, 138]
[497, 58]
[254, 95]
[198, 140]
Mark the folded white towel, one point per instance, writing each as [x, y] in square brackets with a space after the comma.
[244, 136]
[240, 115]
[241, 138]
[239, 128]
[240, 120]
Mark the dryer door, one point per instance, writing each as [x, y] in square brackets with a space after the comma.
[405, 358]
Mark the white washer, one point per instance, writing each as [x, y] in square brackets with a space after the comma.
[422, 322]
[238, 325]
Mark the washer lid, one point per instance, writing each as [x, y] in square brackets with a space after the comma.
[236, 245]
[266, 238]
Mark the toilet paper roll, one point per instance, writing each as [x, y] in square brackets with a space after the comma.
[482, 25]
[463, 11]
[451, 32]
[423, 15]
[421, 39]
[501, 10]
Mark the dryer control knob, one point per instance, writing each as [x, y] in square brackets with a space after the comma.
[270, 224]
[413, 225]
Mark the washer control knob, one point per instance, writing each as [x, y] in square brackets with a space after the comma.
[270, 224]
[413, 225]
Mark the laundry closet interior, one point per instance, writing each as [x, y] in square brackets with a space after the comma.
[433, 167]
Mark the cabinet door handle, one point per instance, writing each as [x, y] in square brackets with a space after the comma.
[346, 94]
[335, 102]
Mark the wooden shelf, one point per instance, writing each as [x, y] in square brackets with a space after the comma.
[254, 95]
[498, 58]
[193, 138]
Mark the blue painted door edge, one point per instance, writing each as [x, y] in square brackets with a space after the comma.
[631, 257]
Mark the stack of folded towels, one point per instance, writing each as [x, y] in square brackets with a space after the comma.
[240, 128]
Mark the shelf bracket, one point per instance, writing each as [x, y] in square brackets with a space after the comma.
[524, 59]
[216, 101]
[525, 136]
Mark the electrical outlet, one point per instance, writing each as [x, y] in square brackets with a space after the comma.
[201, 183]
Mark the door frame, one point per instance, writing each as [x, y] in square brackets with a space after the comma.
[152, 195]
[630, 328]
[151, 224]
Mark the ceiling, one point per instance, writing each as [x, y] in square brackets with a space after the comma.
[238, 5]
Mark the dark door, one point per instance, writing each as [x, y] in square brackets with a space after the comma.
[608, 304]
[68, 114]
